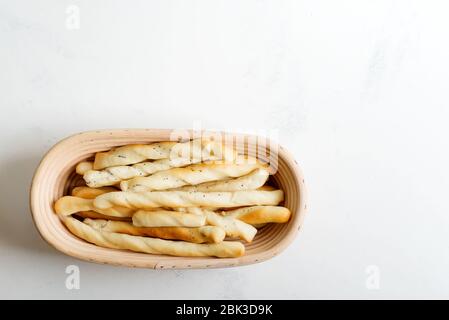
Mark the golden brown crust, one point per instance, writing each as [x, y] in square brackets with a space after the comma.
[260, 214]
[251, 181]
[68, 205]
[266, 188]
[91, 193]
[205, 234]
[225, 249]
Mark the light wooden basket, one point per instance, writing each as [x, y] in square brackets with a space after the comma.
[55, 177]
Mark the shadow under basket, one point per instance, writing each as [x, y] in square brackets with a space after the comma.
[56, 176]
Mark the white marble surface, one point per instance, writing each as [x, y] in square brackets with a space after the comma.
[358, 91]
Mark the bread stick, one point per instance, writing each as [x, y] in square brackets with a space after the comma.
[204, 234]
[68, 205]
[175, 199]
[191, 175]
[90, 193]
[83, 167]
[251, 181]
[234, 228]
[260, 214]
[225, 249]
[113, 175]
[132, 153]
[165, 218]
[135, 153]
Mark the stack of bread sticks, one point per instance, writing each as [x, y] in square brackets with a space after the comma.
[193, 199]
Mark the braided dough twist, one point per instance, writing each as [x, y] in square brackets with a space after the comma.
[68, 205]
[132, 153]
[176, 199]
[260, 214]
[225, 249]
[135, 153]
[251, 181]
[191, 175]
[209, 234]
[233, 227]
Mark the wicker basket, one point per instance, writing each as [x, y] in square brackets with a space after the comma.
[55, 177]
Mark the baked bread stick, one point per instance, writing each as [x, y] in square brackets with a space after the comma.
[225, 249]
[68, 205]
[205, 234]
[252, 181]
[191, 175]
[234, 228]
[163, 218]
[135, 153]
[90, 193]
[175, 199]
[260, 214]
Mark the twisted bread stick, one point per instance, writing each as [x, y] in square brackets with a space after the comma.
[132, 153]
[136, 153]
[83, 167]
[260, 214]
[68, 205]
[175, 199]
[113, 175]
[226, 249]
[251, 181]
[203, 234]
[191, 175]
[234, 228]
[163, 218]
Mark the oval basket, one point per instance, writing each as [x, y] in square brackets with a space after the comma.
[55, 177]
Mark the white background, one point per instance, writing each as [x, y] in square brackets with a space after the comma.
[358, 91]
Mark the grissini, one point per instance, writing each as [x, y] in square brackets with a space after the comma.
[234, 228]
[96, 215]
[204, 234]
[252, 181]
[90, 193]
[225, 249]
[176, 199]
[131, 154]
[163, 218]
[113, 175]
[191, 175]
[83, 167]
[260, 214]
[68, 205]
